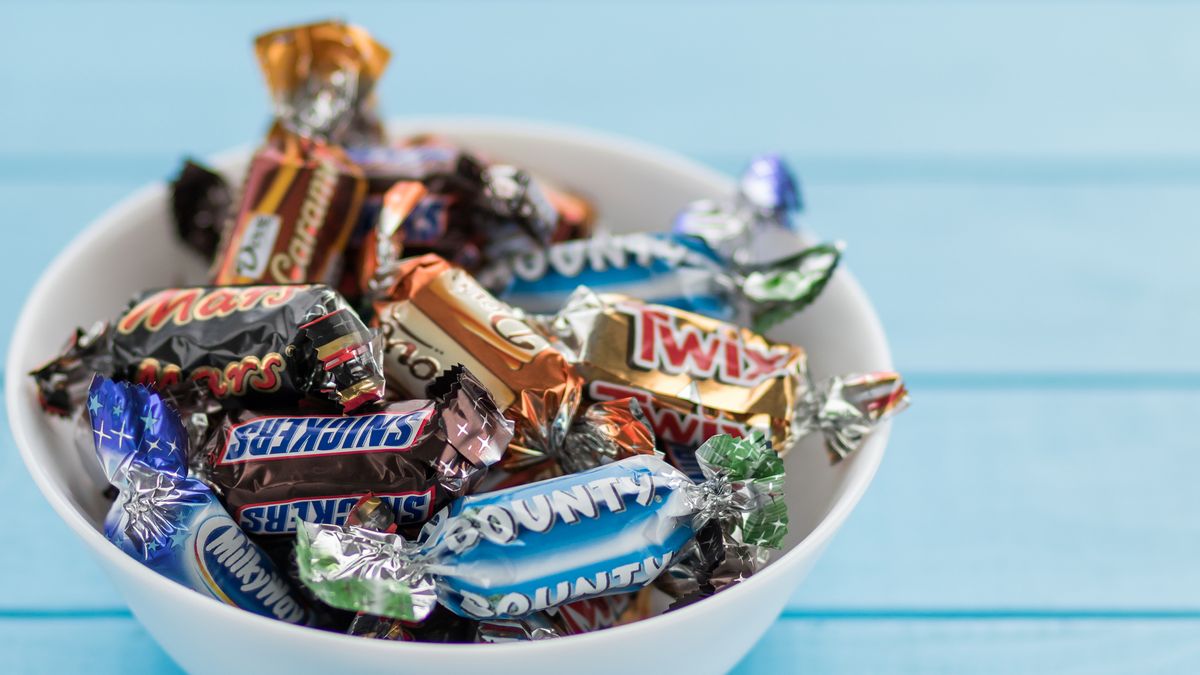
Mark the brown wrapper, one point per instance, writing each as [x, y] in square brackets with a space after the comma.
[200, 204]
[299, 204]
[415, 456]
[302, 195]
[437, 314]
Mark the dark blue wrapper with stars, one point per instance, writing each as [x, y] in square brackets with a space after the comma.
[169, 522]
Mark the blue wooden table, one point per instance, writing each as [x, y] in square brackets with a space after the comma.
[1019, 184]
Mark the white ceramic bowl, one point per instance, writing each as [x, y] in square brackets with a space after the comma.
[132, 247]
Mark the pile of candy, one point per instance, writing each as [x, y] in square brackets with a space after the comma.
[421, 400]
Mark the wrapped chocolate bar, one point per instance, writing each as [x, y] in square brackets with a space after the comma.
[262, 346]
[514, 211]
[451, 173]
[438, 315]
[500, 555]
[472, 212]
[415, 456]
[696, 377]
[302, 195]
[582, 616]
[440, 166]
[442, 219]
[667, 269]
[169, 521]
[200, 204]
[747, 228]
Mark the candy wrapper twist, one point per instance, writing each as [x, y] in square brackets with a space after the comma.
[505, 554]
[168, 521]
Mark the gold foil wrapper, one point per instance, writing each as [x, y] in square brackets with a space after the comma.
[694, 376]
[320, 74]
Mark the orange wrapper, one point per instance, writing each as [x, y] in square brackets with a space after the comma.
[320, 75]
[437, 316]
[384, 243]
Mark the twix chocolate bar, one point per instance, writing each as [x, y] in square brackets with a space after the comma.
[697, 377]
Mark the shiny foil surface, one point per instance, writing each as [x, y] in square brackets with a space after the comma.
[259, 346]
[275, 471]
[513, 553]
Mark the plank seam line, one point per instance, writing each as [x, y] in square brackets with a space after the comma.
[1063, 380]
[995, 614]
[33, 614]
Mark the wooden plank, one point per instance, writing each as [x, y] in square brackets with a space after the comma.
[40, 219]
[120, 645]
[30, 644]
[1024, 278]
[1017, 500]
[1057, 500]
[967, 278]
[881, 647]
[923, 84]
[46, 567]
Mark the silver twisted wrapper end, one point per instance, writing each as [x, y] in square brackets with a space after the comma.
[847, 409]
[363, 570]
[606, 432]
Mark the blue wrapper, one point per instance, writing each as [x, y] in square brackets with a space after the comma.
[672, 269]
[501, 555]
[758, 224]
[665, 269]
[770, 190]
[608, 530]
[168, 521]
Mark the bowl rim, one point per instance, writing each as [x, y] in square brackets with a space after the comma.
[185, 598]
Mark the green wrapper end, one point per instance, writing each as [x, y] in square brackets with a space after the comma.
[363, 570]
[753, 502]
[782, 288]
[766, 526]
